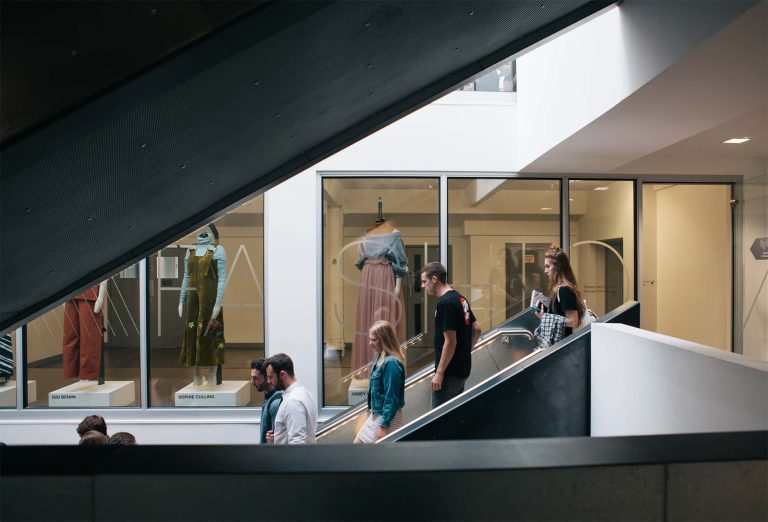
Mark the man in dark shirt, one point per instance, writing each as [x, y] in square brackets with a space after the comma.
[456, 332]
[272, 397]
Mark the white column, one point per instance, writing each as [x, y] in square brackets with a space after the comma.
[292, 255]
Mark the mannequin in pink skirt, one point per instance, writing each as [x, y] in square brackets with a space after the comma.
[382, 263]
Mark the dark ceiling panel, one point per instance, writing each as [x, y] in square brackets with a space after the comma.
[231, 115]
[82, 48]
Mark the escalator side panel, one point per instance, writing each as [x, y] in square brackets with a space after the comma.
[549, 399]
[546, 396]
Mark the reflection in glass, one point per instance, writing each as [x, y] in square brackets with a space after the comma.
[195, 360]
[501, 79]
[85, 353]
[498, 231]
[370, 272]
[8, 370]
[602, 249]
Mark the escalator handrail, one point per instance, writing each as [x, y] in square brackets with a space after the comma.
[413, 379]
[413, 340]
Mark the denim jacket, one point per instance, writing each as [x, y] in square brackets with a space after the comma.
[386, 389]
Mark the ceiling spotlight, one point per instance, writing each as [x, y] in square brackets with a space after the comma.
[546, 208]
[601, 188]
[737, 140]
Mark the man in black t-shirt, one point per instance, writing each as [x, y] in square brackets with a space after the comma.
[456, 332]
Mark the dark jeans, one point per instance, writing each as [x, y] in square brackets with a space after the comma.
[452, 386]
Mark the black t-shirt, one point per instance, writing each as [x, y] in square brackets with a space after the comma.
[453, 313]
[566, 300]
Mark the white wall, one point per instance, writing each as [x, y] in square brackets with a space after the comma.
[293, 270]
[570, 81]
[645, 383]
[201, 431]
[464, 131]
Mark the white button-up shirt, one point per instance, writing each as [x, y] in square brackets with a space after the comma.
[296, 420]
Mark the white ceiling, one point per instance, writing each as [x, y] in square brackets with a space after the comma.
[676, 123]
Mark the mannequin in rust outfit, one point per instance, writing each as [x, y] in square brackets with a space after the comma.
[83, 320]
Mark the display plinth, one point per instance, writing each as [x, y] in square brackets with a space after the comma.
[228, 393]
[358, 391]
[90, 394]
[8, 394]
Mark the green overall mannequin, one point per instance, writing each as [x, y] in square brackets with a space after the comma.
[205, 277]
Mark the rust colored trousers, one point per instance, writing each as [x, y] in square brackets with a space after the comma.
[82, 340]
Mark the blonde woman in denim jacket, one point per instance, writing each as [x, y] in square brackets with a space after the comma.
[386, 388]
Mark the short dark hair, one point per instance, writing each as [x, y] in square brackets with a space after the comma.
[280, 362]
[260, 365]
[93, 438]
[123, 438]
[92, 423]
[435, 269]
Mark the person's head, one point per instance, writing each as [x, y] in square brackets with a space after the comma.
[433, 276]
[259, 376]
[280, 371]
[122, 438]
[383, 339]
[93, 438]
[557, 266]
[92, 423]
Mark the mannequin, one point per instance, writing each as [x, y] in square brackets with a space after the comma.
[83, 323]
[205, 277]
[382, 263]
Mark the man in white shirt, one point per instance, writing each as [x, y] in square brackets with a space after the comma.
[296, 420]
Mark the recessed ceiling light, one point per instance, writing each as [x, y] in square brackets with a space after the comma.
[737, 140]
[601, 188]
[570, 199]
[546, 208]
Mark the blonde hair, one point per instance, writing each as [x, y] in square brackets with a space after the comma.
[386, 334]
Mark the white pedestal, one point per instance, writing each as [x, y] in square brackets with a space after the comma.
[228, 393]
[358, 391]
[8, 394]
[89, 394]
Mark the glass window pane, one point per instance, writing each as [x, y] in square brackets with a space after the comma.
[8, 370]
[359, 288]
[185, 348]
[498, 232]
[687, 259]
[602, 242]
[85, 352]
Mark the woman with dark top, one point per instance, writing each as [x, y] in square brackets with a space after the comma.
[386, 391]
[567, 300]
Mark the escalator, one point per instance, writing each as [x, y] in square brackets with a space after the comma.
[497, 349]
[514, 389]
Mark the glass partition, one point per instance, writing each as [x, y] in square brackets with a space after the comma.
[687, 259]
[371, 263]
[85, 352]
[602, 241]
[498, 231]
[8, 370]
[195, 361]
[501, 79]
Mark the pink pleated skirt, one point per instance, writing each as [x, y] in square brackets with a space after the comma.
[376, 300]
